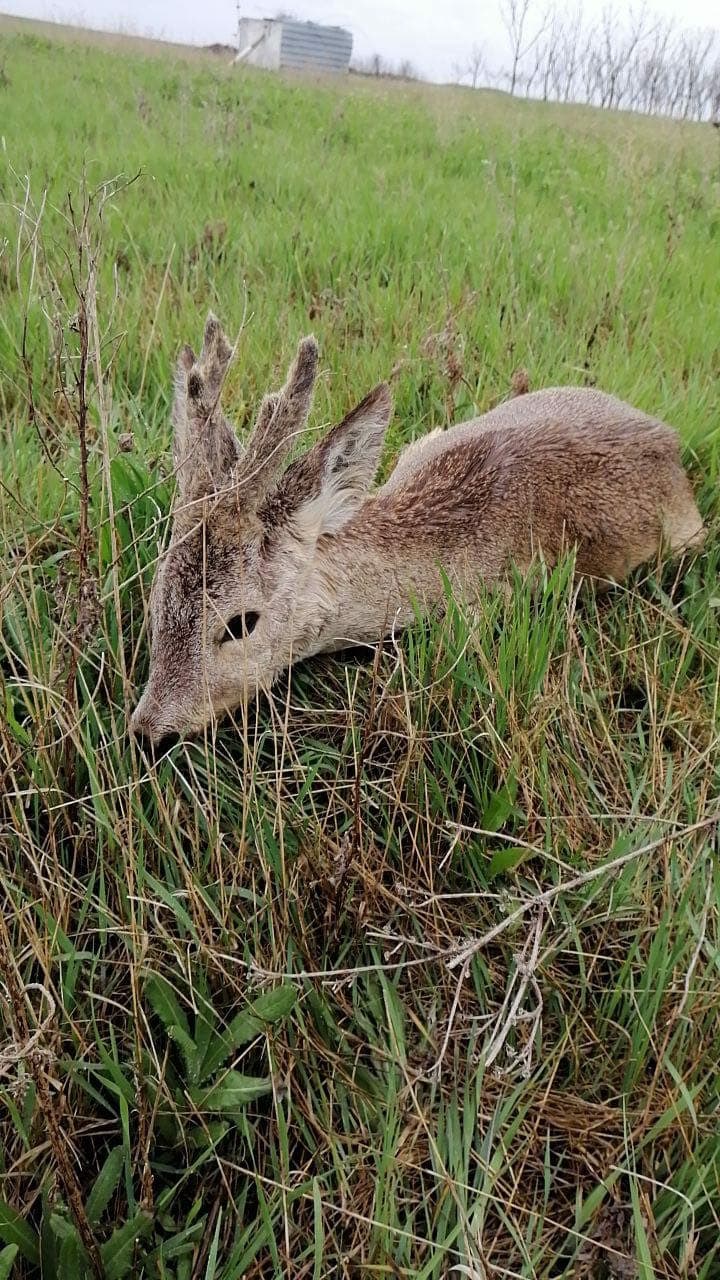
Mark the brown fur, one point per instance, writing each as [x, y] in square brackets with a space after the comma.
[315, 561]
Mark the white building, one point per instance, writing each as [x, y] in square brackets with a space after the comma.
[276, 43]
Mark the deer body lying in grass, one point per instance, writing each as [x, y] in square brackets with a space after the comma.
[270, 563]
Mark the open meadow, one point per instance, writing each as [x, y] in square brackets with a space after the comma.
[414, 971]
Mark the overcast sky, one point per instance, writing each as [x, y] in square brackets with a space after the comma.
[433, 34]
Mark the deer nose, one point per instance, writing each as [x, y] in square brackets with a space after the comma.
[154, 739]
[156, 747]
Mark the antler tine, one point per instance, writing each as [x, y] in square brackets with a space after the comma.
[187, 358]
[206, 375]
[301, 375]
[203, 437]
[281, 416]
[215, 344]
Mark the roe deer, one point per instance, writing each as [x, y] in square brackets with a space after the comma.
[269, 565]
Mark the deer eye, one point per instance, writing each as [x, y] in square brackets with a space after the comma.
[239, 626]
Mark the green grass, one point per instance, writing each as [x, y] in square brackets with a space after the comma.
[417, 973]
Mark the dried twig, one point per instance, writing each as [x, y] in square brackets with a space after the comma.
[29, 1049]
[86, 589]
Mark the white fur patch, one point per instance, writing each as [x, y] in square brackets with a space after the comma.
[349, 470]
[336, 503]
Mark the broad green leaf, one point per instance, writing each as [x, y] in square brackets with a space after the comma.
[21, 735]
[499, 806]
[268, 1008]
[105, 1185]
[15, 1230]
[232, 1091]
[7, 1260]
[206, 1020]
[276, 1004]
[62, 1228]
[189, 1052]
[118, 1254]
[507, 859]
[208, 1134]
[165, 1003]
[72, 1259]
[49, 1246]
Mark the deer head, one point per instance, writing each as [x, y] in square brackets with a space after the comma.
[234, 600]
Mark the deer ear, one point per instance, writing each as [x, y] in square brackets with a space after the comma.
[332, 479]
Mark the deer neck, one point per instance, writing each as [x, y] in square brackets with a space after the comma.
[363, 587]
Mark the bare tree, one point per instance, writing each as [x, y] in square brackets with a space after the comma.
[473, 68]
[407, 70]
[514, 15]
[627, 59]
[568, 57]
[535, 73]
[376, 65]
[650, 71]
[712, 90]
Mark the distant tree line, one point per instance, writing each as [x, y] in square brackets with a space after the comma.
[624, 60]
[376, 65]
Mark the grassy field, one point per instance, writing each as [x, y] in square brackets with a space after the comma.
[418, 973]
